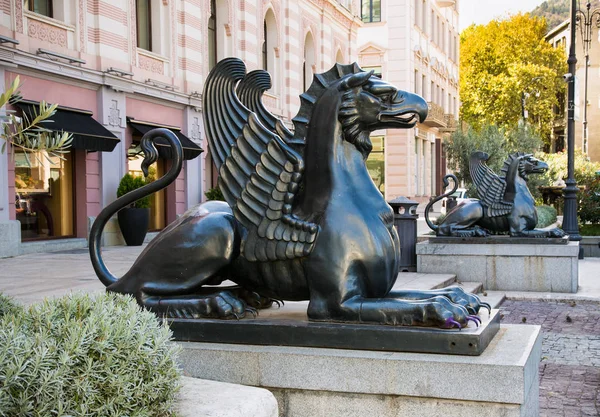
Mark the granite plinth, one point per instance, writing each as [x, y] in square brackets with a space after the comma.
[309, 382]
[500, 240]
[505, 267]
[289, 326]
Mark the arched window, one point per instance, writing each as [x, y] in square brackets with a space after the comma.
[212, 36]
[339, 57]
[309, 60]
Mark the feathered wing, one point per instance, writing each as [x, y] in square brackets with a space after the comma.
[250, 91]
[490, 187]
[258, 172]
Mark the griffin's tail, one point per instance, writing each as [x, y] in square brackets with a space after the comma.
[435, 200]
[150, 156]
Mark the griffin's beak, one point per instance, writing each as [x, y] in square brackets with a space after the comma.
[541, 167]
[415, 104]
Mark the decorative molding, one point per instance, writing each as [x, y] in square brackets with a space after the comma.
[47, 32]
[227, 29]
[82, 26]
[195, 134]
[276, 50]
[174, 26]
[151, 64]
[114, 114]
[19, 15]
[132, 33]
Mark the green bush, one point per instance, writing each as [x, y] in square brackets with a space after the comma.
[86, 356]
[214, 194]
[589, 203]
[8, 306]
[133, 182]
[546, 216]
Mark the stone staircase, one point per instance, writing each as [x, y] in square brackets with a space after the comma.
[424, 281]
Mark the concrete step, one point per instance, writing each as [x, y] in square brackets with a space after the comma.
[420, 281]
[472, 287]
[493, 298]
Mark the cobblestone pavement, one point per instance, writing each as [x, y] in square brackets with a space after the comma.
[570, 367]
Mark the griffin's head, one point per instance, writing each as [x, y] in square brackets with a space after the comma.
[369, 103]
[530, 165]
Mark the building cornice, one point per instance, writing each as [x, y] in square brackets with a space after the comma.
[30, 64]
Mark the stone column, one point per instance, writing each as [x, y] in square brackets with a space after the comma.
[194, 169]
[10, 230]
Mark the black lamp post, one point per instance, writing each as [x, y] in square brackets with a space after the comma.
[570, 225]
[586, 20]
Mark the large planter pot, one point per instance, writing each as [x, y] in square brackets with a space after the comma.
[134, 224]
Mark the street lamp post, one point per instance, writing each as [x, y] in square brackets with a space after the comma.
[586, 20]
[570, 225]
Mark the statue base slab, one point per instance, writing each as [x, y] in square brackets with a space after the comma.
[505, 267]
[501, 240]
[289, 326]
[309, 382]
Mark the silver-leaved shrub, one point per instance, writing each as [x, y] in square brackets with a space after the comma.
[85, 355]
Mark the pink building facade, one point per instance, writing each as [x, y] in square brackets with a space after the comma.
[129, 65]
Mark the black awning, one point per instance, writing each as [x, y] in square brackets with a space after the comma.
[87, 133]
[190, 149]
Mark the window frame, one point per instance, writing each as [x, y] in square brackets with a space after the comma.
[31, 7]
[137, 25]
[369, 19]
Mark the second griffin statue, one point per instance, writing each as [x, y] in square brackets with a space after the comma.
[302, 218]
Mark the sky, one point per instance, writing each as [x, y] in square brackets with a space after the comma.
[482, 11]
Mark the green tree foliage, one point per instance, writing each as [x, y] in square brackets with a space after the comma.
[30, 134]
[133, 182]
[504, 61]
[496, 142]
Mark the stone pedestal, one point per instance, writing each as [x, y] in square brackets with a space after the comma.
[10, 238]
[309, 382]
[505, 267]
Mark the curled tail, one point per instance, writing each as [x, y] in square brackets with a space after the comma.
[150, 156]
[435, 200]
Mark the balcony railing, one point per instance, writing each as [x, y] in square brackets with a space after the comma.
[436, 117]
[451, 124]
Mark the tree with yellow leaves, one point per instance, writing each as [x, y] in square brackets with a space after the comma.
[509, 74]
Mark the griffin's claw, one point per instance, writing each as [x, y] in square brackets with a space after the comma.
[252, 311]
[451, 323]
[236, 315]
[474, 319]
[489, 307]
[278, 303]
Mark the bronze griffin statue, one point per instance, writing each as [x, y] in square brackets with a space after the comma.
[505, 205]
[302, 218]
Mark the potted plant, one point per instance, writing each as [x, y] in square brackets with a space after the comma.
[135, 219]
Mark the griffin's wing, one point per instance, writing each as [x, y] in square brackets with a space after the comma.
[490, 187]
[258, 172]
[250, 92]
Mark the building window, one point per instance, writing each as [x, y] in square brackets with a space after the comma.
[309, 61]
[424, 16]
[423, 86]
[376, 70]
[417, 82]
[371, 11]
[212, 36]
[376, 163]
[44, 198]
[158, 212]
[43, 7]
[143, 15]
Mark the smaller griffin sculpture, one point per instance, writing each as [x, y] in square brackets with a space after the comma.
[505, 204]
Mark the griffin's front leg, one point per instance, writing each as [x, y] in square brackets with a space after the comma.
[434, 312]
[556, 232]
[455, 294]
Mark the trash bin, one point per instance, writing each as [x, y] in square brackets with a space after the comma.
[405, 221]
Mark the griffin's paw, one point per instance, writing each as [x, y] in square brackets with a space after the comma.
[470, 301]
[556, 232]
[255, 300]
[441, 312]
[222, 305]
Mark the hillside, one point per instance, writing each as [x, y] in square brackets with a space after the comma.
[557, 11]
